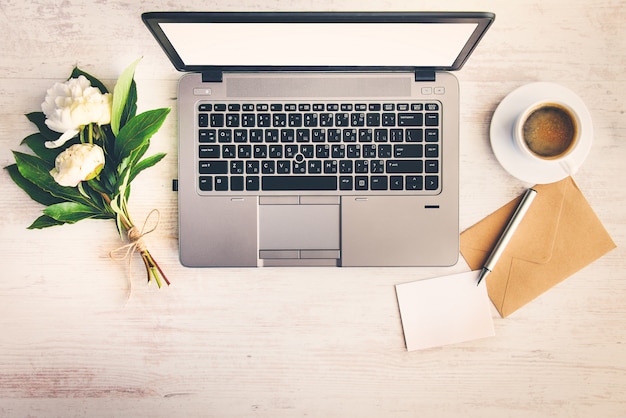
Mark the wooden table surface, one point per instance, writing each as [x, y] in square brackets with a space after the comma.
[76, 341]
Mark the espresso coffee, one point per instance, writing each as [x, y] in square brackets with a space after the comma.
[549, 131]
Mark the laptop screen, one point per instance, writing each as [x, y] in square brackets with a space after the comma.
[321, 44]
[195, 41]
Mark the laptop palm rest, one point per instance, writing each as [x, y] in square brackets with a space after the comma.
[299, 230]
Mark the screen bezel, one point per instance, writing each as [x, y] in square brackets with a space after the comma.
[483, 21]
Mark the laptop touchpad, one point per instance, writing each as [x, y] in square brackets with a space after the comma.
[299, 226]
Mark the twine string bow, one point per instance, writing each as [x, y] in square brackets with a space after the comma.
[135, 242]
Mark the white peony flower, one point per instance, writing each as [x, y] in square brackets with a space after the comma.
[77, 163]
[73, 104]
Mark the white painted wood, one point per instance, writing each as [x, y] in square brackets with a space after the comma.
[300, 342]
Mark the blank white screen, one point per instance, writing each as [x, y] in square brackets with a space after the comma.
[319, 44]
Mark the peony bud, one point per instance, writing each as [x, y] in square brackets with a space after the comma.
[78, 163]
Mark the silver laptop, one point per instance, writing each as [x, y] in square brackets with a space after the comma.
[318, 139]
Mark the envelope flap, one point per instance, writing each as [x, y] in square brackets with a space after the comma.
[534, 238]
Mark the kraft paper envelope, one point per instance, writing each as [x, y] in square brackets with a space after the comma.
[559, 235]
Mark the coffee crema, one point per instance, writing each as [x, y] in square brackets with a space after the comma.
[549, 131]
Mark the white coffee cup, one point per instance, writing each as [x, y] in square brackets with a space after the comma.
[548, 131]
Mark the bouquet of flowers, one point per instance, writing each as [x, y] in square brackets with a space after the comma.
[86, 172]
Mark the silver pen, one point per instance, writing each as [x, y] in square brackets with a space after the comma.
[506, 236]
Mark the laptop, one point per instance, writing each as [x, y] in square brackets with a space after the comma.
[318, 139]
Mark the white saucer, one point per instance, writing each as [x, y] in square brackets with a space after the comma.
[508, 154]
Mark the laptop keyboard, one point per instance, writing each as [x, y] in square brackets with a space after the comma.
[377, 147]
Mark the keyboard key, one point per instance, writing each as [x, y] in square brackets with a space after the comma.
[268, 167]
[217, 120]
[303, 135]
[345, 183]
[207, 135]
[432, 166]
[432, 119]
[377, 166]
[294, 183]
[432, 182]
[241, 135]
[260, 151]
[389, 119]
[203, 120]
[252, 167]
[221, 183]
[396, 183]
[379, 183]
[397, 135]
[432, 135]
[225, 135]
[431, 151]
[373, 119]
[263, 120]
[384, 151]
[354, 151]
[314, 166]
[407, 151]
[330, 167]
[276, 151]
[310, 120]
[360, 183]
[410, 119]
[345, 166]
[414, 135]
[357, 119]
[236, 167]
[244, 151]
[287, 135]
[369, 151]
[404, 166]
[229, 151]
[248, 120]
[213, 167]
[236, 183]
[232, 120]
[295, 120]
[252, 183]
[209, 151]
[279, 120]
[342, 119]
[307, 151]
[414, 183]
[206, 183]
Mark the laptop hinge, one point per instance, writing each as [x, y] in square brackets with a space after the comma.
[424, 75]
[214, 76]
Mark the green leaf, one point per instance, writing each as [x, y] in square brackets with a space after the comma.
[70, 212]
[37, 171]
[39, 119]
[44, 221]
[130, 107]
[93, 80]
[137, 131]
[35, 192]
[145, 163]
[120, 96]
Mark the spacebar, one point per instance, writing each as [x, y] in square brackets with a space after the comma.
[299, 182]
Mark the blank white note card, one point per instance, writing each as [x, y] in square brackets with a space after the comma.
[444, 310]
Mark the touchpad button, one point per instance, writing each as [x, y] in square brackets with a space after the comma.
[298, 227]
